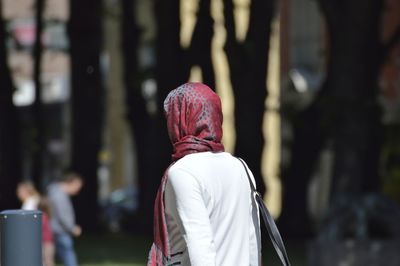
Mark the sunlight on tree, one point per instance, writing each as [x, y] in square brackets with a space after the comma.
[271, 127]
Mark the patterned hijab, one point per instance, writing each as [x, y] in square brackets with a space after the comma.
[194, 121]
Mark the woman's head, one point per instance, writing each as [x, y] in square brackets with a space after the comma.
[25, 190]
[194, 118]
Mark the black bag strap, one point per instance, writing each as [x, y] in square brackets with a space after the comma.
[269, 223]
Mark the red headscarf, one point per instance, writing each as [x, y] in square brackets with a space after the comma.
[194, 121]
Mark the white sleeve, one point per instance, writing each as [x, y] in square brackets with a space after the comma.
[187, 204]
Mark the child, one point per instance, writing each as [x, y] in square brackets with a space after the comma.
[28, 195]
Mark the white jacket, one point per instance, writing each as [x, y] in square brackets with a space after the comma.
[212, 217]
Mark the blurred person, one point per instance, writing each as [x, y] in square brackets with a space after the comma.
[28, 195]
[63, 216]
[204, 211]
[47, 233]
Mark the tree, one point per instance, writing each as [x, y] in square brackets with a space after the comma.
[38, 142]
[248, 61]
[141, 122]
[84, 30]
[346, 110]
[171, 69]
[10, 167]
[199, 52]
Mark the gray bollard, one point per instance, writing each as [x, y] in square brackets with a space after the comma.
[21, 238]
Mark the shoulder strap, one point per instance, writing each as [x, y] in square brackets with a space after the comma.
[269, 223]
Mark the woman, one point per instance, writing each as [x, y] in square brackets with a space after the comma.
[204, 211]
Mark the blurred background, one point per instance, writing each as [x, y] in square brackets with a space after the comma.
[311, 100]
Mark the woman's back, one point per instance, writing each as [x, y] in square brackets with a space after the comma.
[209, 207]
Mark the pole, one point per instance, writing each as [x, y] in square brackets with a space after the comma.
[21, 238]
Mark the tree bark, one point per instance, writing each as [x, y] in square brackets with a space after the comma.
[248, 61]
[87, 103]
[10, 166]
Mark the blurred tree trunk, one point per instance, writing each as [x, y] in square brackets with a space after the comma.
[171, 71]
[356, 55]
[309, 134]
[38, 145]
[10, 165]
[346, 111]
[199, 52]
[85, 33]
[139, 119]
[248, 61]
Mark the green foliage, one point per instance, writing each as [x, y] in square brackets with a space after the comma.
[112, 250]
[128, 250]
